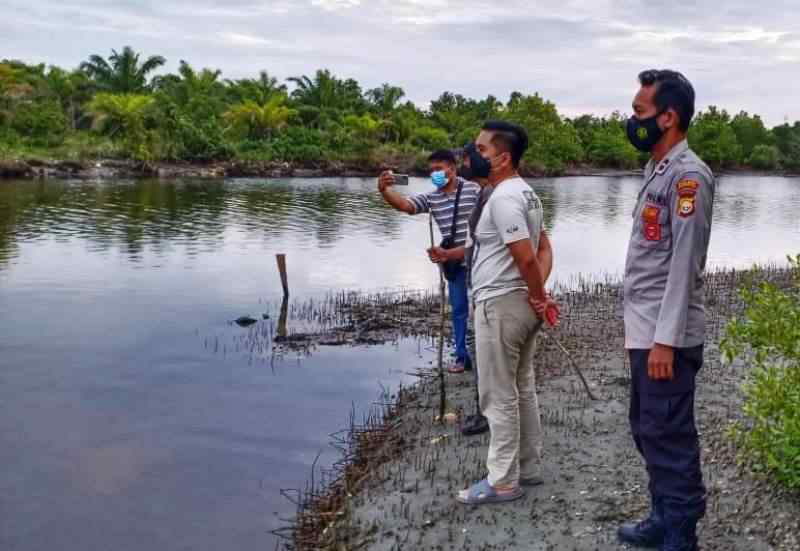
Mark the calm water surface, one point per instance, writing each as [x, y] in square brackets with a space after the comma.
[122, 428]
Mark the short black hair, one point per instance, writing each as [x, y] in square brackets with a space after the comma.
[443, 155]
[509, 137]
[673, 91]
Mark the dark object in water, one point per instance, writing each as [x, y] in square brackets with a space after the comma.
[294, 337]
[334, 341]
[265, 316]
[245, 321]
[361, 339]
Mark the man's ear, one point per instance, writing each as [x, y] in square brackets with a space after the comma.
[671, 119]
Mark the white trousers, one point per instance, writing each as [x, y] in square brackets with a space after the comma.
[505, 334]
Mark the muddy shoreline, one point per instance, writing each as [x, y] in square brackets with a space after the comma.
[109, 168]
[103, 169]
[403, 497]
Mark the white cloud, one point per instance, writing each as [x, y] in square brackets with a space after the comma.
[747, 35]
[240, 39]
[581, 54]
[331, 5]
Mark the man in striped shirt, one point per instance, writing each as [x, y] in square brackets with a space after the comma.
[441, 204]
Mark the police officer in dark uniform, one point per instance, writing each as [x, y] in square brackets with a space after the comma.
[664, 313]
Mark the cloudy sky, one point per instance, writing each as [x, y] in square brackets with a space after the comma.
[582, 54]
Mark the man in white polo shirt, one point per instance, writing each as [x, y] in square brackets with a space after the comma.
[512, 259]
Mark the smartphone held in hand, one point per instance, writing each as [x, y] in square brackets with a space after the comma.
[400, 179]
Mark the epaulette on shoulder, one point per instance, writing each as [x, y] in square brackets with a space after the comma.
[688, 161]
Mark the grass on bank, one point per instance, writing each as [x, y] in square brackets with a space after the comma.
[77, 146]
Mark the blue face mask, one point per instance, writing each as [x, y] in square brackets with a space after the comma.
[439, 179]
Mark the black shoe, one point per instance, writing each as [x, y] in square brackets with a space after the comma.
[467, 364]
[474, 425]
[680, 535]
[646, 533]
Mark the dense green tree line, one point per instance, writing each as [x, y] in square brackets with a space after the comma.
[118, 107]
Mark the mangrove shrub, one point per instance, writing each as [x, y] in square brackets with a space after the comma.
[767, 335]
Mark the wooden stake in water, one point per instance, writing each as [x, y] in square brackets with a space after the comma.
[284, 315]
[442, 321]
[282, 331]
[281, 258]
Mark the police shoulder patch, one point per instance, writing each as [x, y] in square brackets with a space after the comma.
[686, 206]
[688, 187]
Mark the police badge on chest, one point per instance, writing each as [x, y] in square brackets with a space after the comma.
[652, 229]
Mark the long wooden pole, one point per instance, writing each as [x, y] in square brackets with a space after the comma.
[442, 321]
[574, 365]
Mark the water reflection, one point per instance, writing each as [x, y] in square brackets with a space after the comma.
[341, 222]
[157, 215]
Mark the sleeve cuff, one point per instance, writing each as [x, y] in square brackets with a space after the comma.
[666, 339]
[508, 239]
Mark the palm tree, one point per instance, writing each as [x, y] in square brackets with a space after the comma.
[384, 102]
[192, 89]
[325, 97]
[361, 131]
[260, 121]
[269, 84]
[122, 117]
[385, 99]
[196, 82]
[119, 114]
[258, 89]
[122, 72]
[315, 97]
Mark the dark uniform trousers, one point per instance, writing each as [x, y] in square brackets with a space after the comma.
[663, 427]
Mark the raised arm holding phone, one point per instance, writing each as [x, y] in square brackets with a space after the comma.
[386, 180]
[451, 203]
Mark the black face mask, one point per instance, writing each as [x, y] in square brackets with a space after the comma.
[644, 134]
[465, 172]
[479, 166]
